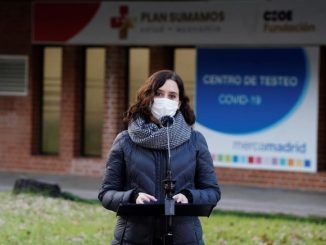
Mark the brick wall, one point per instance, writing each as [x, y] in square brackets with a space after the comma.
[115, 95]
[14, 110]
[20, 116]
[161, 58]
[275, 179]
[70, 112]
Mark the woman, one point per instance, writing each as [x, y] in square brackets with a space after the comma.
[135, 167]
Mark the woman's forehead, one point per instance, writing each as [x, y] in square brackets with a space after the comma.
[170, 86]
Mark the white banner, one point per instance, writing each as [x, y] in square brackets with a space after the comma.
[181, 23]
[258, 107]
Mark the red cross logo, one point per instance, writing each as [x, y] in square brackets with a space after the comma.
[122, 22]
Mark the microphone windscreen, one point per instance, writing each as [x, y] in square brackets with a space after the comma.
[166, 121]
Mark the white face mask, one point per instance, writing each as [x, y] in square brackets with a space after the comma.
[164, 107]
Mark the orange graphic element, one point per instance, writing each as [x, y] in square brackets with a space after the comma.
[122, 22]
[291, 162]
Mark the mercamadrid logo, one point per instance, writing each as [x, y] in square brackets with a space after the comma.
[247, 90]
[287, 147]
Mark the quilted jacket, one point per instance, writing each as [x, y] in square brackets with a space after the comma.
[131, 168]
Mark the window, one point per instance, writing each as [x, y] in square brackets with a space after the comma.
[185, 67]
[138, 70]
[51, 91]
[94, 101]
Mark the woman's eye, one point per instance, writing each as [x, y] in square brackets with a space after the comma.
[172, 97]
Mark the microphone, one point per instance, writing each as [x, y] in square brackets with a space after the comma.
[166, 121]
[168, 183]
[168, 186]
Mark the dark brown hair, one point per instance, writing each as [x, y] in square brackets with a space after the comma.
[146, 94]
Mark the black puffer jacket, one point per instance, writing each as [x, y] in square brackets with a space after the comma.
[131, 167]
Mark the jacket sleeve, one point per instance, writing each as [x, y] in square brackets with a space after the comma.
[112, 192]
[206, 189]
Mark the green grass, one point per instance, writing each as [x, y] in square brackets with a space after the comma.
[251, 228]
[35, 219]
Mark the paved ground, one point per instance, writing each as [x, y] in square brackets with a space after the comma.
[233, 197]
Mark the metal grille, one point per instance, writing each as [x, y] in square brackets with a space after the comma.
[13, 75]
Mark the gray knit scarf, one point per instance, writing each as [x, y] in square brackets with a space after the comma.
[150, 135]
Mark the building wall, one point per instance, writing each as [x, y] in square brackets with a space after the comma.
[19, 115]
[15, 111]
